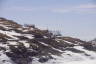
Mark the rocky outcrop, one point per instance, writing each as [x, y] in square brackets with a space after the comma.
[24, 43]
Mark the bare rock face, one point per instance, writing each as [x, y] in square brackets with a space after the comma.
[21, 44]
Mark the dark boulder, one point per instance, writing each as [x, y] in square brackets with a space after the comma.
[42, 59]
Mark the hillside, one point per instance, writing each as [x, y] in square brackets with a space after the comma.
[27, 44]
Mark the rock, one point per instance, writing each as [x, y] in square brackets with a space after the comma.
[42, 59]
[22, 43]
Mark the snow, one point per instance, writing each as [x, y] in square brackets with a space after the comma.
[28, 36]
[3, 45]
[44, 44]
[12, 42]
[3, 26]
[83, 62]
[93, 54]
[25, 30]
[69, 57]
[10, 34]
[26, 44]
[57, 49]
[68, 42]
[4, 59]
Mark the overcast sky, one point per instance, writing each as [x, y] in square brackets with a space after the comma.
[76, 18]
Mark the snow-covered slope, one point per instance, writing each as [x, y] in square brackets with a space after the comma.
[29, 45]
